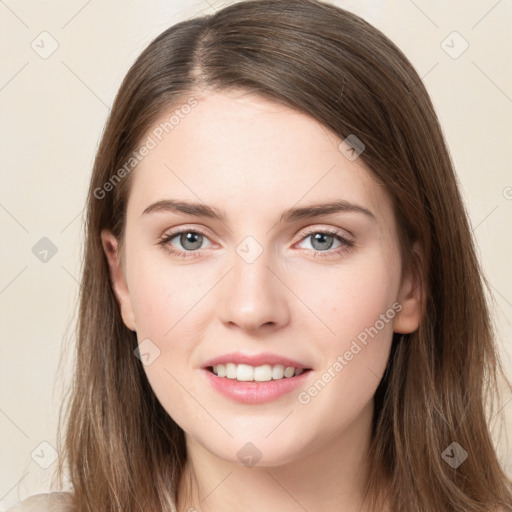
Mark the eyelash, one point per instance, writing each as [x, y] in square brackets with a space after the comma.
[346, 244]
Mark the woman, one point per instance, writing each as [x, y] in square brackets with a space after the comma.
[281, 306]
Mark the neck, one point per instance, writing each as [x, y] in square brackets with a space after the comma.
[328, 476]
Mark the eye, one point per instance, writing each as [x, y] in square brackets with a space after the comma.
[322, 241]
[190, 239]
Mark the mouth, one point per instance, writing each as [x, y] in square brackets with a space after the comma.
[261, 373]
[248, 384]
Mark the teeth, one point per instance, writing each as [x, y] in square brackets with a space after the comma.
[263, 373]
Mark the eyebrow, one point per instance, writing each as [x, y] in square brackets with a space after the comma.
[290, 215]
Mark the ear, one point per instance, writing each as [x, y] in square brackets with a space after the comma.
[117, 278]
[410, 297]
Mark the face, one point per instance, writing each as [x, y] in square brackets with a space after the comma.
[254, 276]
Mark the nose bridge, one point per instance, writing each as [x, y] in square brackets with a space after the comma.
[253, 296]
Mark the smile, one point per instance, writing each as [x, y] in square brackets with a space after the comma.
[253, 391]
[262, 373]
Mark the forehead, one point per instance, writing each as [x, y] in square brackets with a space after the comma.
[240, 152]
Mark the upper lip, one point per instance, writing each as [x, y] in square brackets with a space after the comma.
[254, 360]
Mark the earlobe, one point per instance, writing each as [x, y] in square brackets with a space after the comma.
[411, 297]
[117, 278]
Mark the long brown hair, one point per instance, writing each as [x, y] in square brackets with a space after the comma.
[123, 451]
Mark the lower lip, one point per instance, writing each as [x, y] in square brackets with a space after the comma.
[255, 392]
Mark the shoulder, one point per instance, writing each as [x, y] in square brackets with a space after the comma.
[49, 502]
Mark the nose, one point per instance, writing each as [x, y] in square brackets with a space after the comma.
[254, 296]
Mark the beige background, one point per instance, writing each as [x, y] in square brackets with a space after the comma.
[53, 112]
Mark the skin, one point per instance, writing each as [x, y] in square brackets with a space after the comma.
[255, 159]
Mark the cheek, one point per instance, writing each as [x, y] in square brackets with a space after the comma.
[351, 297]
[169, 307]
[164, 295]
[355, 306]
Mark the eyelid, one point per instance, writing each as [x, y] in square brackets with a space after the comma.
[185, 228]
[331, 229]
